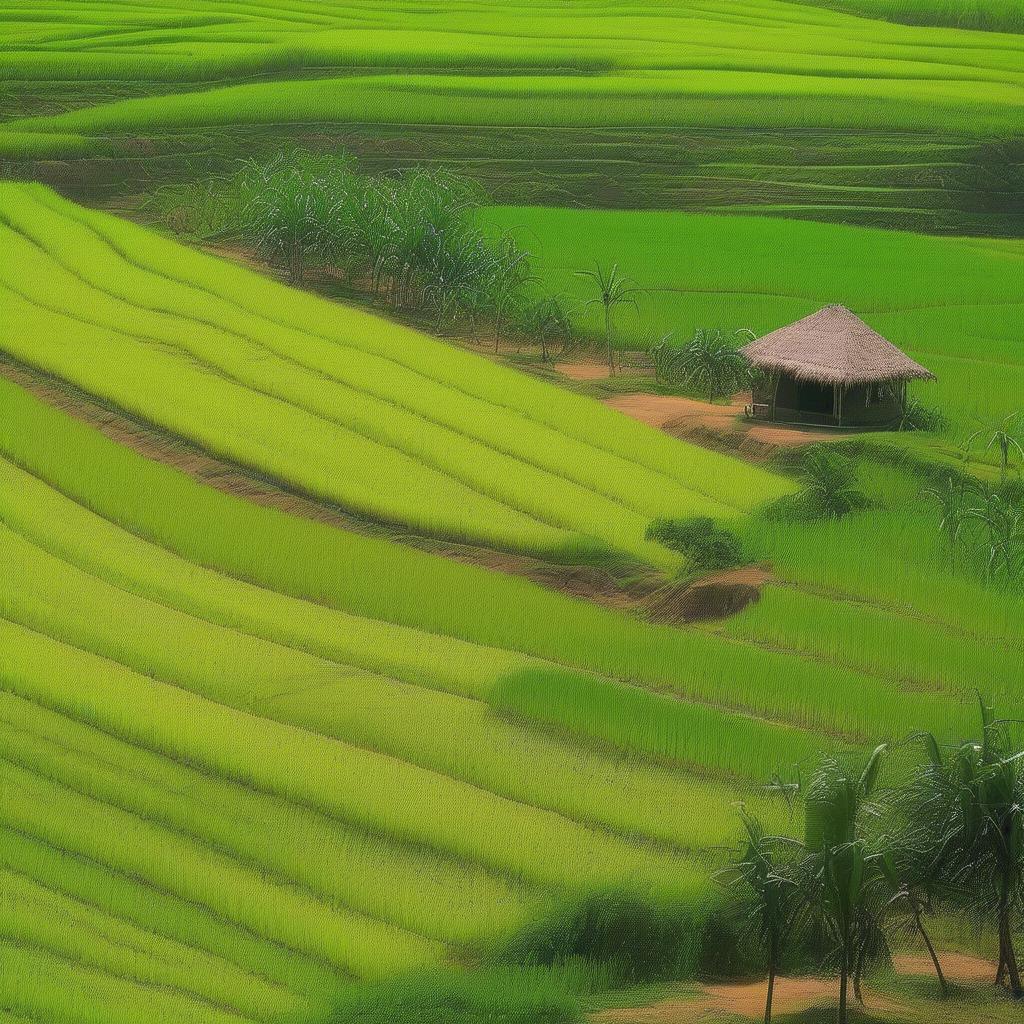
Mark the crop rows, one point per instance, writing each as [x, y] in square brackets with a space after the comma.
[954, 304]
[364, 430]
[276, 775]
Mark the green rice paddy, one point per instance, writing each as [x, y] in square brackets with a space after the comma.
[954, 304]
[284, 716]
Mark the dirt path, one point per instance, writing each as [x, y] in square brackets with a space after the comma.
[795, 995]
[792, 995]
[683, 417]
[583, 371]
[958, 967]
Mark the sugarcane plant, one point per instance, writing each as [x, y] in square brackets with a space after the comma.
[1005, 436]
[613, 291]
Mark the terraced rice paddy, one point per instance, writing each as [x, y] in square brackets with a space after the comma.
[435, 441]
[321, 790]
[285, 710]
[912, 125]
[956, 305]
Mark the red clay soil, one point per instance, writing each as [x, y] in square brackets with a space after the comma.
[583, 371]
[686, 416]
[792, 995]
[958, 967]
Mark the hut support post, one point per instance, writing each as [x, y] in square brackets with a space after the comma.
[837, 404]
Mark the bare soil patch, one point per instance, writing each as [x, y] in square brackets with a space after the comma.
[697, 420]
[584, 371]
[746, 999]
[715, 596]
[958, 967]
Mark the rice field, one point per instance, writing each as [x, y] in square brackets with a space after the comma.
[383, 422]
[900, 124]
[954, 304]
[288, 726]
[233, 876]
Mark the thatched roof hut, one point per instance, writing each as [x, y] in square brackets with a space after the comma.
[831, 369]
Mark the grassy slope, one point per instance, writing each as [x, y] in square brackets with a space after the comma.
[381, 420]
[228, 704]
[675, 64]
[953, 304]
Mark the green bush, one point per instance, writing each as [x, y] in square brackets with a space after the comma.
[623, 937]
[923, 417]
[830, 488]
[707, 546]
[491, 997]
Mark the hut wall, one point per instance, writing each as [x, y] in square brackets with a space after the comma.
[785, 399]
[873, 404]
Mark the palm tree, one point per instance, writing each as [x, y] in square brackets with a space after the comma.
[967, 811]
[766, 877]
[712, 363]
[1004, 435]
[614, 290]
[841, 862]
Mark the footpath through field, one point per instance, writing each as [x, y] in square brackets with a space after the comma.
[797, 995]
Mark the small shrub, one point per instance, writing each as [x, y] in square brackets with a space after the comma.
[923, 417]
[830, 489]
[626, 938]
[448, 997]
[710, 364]
[707, 546]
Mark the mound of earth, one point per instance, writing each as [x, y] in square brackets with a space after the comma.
[716, 596]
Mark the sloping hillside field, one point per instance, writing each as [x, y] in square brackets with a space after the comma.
[255, 759]
[418, 605]
[383, 422]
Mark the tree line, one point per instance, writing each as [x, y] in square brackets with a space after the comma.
[873, 862]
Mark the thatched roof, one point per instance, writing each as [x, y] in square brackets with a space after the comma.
[833, 346]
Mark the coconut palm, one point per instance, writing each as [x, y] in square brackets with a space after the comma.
[1003, 435]
[842, 862]
[766, 879]
[614, 291]
[967, 814]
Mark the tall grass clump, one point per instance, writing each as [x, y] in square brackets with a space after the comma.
[410, 240]
[614, 938]
[450, 997]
